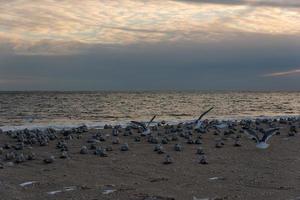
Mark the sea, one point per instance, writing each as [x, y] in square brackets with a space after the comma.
[19, 110]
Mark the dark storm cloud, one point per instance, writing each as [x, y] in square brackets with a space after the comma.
[229, 65]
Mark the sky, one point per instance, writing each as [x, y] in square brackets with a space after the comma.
[150, 45]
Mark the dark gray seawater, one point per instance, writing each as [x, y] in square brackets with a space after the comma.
[97, 108]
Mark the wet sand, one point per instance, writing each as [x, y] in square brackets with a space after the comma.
[243, 172]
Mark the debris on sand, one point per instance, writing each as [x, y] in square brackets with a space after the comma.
[195, 198]
[70, 188]
[54, 192]
[215, 198]
[28, 183]
[216, 178]
[158, 198]
[108, 189]
[65, 189]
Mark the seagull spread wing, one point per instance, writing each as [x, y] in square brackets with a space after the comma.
[139, 124]
[150, 121]
[268, 134]
[252, 134]
[204, 114]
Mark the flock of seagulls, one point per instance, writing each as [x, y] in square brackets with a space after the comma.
[199, 124]
[159, 134]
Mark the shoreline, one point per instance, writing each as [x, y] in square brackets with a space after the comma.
[100, 125]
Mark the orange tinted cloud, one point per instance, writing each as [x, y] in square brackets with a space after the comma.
[63, 27]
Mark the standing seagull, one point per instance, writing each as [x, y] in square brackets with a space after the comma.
[198, 122]
[145, 128]
[261, 143]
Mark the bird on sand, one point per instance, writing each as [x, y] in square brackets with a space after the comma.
[198, 123]
[261, 143]
[145, 127]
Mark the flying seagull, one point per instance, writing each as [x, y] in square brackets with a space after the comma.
[145, 127]
[198, 122]
[261, 143]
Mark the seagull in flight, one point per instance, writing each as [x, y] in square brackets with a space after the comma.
[198, 122]
[145, 127]
[261, 143]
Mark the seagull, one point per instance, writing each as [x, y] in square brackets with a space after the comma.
[198, 122]
[145, 128]
[261, 143]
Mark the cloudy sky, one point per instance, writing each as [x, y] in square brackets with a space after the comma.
[150, 45]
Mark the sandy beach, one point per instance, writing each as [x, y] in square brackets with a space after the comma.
[232, 172]
[150, 100]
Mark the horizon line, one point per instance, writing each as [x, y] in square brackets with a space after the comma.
[155, 90]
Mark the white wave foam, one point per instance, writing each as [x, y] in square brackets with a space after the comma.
[100, 125]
